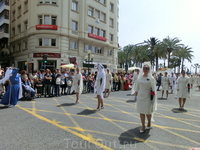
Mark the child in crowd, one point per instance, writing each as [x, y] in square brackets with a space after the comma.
[69, 86]
[57, 86]
[39, 87]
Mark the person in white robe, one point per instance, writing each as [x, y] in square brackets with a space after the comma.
[77, 85]
[192, 80]
[108, 83]
[182, 88]
[165, 84]
[100, 86]
[172, 81]
[198, 81]
[146, 95]
[134, 82]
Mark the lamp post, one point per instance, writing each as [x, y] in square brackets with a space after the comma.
[89, 58]
[129, 50]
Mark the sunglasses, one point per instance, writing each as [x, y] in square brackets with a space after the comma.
[146, 68]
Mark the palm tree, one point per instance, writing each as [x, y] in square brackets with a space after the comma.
[184, 53]
[121, 58]
[171, 45]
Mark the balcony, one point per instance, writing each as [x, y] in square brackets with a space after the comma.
[3, 6]
[4, 35]
[4, 20]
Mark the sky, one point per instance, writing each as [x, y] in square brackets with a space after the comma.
[141, 19]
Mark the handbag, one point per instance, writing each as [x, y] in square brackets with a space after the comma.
[62, 82]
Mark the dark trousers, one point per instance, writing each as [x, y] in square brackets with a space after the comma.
[57, 90]
[69, 90]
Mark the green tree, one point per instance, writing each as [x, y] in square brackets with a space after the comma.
[121, 58]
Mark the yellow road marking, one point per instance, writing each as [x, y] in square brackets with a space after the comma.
[88, 138]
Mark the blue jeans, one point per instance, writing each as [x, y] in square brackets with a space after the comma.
[57, 90]
[69, 90]
[89, 87]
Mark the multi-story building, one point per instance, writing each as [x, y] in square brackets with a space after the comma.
[65, 30]
[4, 31]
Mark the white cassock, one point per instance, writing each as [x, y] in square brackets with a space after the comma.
[108, 80]
[192, 80]
[182, 86]
[165, 83]
[77, 83]
[172, 81]
[134, 82]
[198, 81]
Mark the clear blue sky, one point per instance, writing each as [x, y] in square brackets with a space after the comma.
[142, 19]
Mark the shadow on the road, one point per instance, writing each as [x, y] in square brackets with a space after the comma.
[86, 112]
[130, 101]
[4, 107]
[133, 136]
[66, 104]
[177, 110]
[129, 95]
[162, 99]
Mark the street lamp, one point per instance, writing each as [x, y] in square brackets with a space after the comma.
[89, 58]
[129, 50]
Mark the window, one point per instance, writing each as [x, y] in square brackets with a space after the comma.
[13, 13]
[111, 7]
[111, 37]
[87, 47]
[25, 6]
[53, 42]
[46, 42]
[72, 45]
[25, 44]
[96, 31]
[74, 5]
[25, 25]
[40, 42]
[109, 52]
[94, 49]
[40, 1]
[47, 1]
[19, 28]
[111, 22]
[13, 31]
[46, 19]
[54, 2]
[74, 25]
[90, 11]
[103, 17]
[102, 1]
[99, 50]
[13, 48]
[40, 19]
[19, 46]
[19, 11]
[90, 29]
[97, 14]
[53, 20]
[102, 33]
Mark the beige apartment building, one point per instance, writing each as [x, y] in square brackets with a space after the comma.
[65, 30]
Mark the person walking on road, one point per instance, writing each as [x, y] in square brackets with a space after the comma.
[100, 86]
[77, 84]
[108, 83]
[183, 84]
[146, 95]
[165, 84]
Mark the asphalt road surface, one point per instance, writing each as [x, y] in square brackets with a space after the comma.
[56, 123]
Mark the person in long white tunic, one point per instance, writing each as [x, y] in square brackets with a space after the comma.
[77, 85]
[182, 88]
[192, 81]
[165, 84]
[108, 83]
[198, 81]
[100, 86]
[172, 81]
[134, 80]
[146, 95]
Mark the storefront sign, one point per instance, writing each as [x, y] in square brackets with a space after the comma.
[51, 55]
[46, 27]
[96, 37]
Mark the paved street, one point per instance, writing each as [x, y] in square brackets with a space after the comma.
[58, 124]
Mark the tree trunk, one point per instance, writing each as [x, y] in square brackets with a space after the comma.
[168, 59]
[156, 62]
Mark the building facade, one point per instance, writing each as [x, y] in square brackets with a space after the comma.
[65, 30]
[4, 31]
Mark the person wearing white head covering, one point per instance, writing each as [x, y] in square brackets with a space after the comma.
[183, 89]
[134, 82]
[108, 83]
[172, 81]
[146, 95]
[192, 80]
[77, 84]
[165, 84]
[100, 85]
